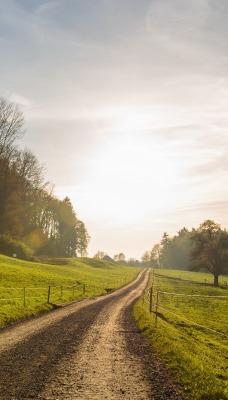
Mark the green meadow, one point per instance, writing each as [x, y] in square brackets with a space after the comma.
[188, 329]
[30, 288]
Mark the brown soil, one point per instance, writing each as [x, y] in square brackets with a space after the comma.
[90, 349]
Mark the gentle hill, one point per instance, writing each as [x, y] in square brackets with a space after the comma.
[28, 288]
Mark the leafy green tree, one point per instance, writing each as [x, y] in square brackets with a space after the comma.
[156, 255]
[99, 254]
[165, 253]
[28, 210]
[146, 259]
[20, 174]
[175, 251]
[67, 236]
[10, 204]
[14, 248]
[210, 249]
[183, 247]
[82, 239]
[120, 258]
[133, 262]
[30, 189]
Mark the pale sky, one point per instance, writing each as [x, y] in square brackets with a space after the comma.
[126, 105]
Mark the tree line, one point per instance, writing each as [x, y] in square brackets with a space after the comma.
[29, 210]
[118, 258]
[204, 248]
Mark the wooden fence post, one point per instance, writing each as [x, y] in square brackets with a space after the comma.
[151, 298]
[84, 288]
[49, 293]
[24, 296]
[156, 316]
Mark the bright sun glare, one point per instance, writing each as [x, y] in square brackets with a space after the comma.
[137, 172]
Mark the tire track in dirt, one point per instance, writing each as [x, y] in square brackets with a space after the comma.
[101, 368]
[91, 349]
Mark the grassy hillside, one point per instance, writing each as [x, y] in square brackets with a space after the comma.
[191, 332]
[28, 288]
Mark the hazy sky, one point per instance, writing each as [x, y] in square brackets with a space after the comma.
[126, 104]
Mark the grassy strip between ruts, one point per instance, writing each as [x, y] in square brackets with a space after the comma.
[191, 332]
[24, 286]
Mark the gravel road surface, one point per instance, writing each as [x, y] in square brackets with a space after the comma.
[90, 349]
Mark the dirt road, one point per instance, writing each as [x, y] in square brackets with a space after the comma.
[91, 349]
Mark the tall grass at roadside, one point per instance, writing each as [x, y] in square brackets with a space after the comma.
[24, 286]
[191, 333]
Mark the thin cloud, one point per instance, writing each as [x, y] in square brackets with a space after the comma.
[126, 100]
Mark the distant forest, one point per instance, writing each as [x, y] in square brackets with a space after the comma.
[204, 248]
[171, 252]
[32, 219]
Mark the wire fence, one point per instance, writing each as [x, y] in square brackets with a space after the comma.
[23, 296]
[154, 299]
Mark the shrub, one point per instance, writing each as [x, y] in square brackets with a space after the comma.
[14, 248]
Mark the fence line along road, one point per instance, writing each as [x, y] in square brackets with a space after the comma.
[149, 294]
[49, 292]
[193, 323]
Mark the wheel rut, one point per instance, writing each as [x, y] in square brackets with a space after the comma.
[87, 350]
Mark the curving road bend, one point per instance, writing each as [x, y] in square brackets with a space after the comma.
[90, 349]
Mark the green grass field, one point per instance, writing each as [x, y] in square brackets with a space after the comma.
[24, 286]
[191, 332]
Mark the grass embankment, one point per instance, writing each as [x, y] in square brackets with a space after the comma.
[24, 286]
[191, 332]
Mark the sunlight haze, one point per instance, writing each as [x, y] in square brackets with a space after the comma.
[125, 103]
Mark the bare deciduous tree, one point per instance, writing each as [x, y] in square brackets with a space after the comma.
[11, 124]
